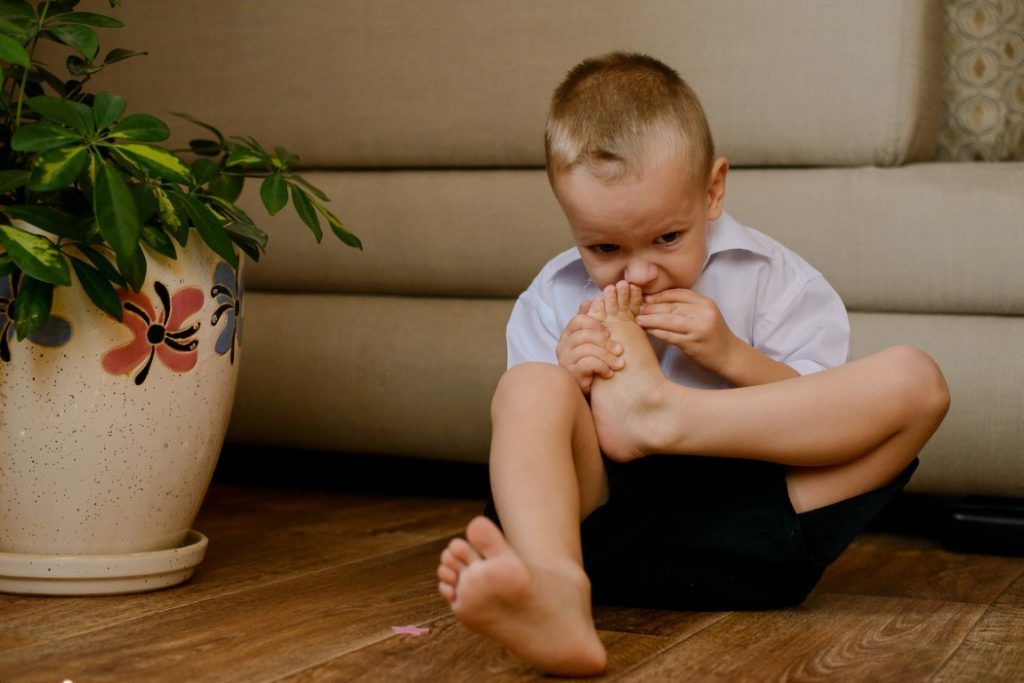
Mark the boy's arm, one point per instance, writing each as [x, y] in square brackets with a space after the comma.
[746, 366]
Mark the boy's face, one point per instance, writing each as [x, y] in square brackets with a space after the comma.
[649, 229]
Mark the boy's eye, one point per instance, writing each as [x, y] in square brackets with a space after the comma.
[668, 237]
[605, 248]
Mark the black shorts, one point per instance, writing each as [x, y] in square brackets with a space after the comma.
[704, 533]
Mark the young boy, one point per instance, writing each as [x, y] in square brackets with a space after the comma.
[613, 468]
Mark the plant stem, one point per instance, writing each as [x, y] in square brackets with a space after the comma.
[24, 75]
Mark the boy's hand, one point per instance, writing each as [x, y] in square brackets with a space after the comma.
[693, 323]
[585, 349]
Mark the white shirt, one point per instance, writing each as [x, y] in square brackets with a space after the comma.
[769, 296]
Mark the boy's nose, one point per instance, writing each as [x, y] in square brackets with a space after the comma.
[639, 272]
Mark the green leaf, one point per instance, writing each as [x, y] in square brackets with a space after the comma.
[12, 51]
[35, 255]
[145, 200]
[15, 31]
[250, 248]
[32, 306]
[43, 136]
[187, 117]
[211, 229]
[98, 288]
[107, 108]
[158, 161]
[248, 231]
[286, 157]
[339, 228]
[304, 207]
[78, 66]
[120, 54]
[158, 241]
[81, 38]
[227, 186]
[206, 148]
[71, 114]
[57, 168]
[49, 219]
[89, 19]
[274, 193]
[102, 264]
[12, 180]
[312, 189]
[17, 10]
[173, 215]
[204, 170]
[115, 213]
[239, 156]
[141, 128]
[133, 266]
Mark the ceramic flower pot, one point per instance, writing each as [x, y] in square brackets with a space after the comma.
[110, 431]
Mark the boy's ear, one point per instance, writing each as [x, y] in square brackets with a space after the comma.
[716, 188]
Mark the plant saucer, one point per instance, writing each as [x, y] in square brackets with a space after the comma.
[115, 574]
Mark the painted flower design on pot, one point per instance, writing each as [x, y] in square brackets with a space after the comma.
[56, 331]
[228, 289]
[154, 335]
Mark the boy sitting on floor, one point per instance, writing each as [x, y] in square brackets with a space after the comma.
[724, 466]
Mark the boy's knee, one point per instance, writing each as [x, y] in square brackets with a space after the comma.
[927, 390]
[532, 381]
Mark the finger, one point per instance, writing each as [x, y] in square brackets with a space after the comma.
[596, 367]
[673, 338]
[678, 294]
[598, 353]
[614, 347]
[674, 308]
[597, 337]
[664, 321]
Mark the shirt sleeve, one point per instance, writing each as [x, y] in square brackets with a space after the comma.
[532, 331]
[809, 332]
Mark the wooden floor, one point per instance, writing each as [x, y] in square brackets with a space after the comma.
[304, 584]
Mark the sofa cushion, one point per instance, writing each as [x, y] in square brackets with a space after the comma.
[350, 83]
[414, 376]
[925, 237]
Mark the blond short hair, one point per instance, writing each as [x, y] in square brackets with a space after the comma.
[611, 113]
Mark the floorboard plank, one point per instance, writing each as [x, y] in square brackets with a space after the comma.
[450, 652]
[995, 645]
[240, 556]
[260, 634]
[900, 566]
[830, 637]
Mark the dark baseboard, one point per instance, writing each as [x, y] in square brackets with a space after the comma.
[970, 524]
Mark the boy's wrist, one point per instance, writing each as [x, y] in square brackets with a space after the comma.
[745, 366]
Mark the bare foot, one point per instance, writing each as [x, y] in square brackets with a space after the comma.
[627, 406]
[541, 614]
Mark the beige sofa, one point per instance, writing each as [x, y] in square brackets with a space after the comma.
[423, 122]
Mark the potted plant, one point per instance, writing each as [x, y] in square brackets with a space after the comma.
[121, 308]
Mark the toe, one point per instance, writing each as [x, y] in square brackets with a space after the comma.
[486, 537]
[597, 309]
[622, 295]
[449, 560]
[447, 574]
[611, 300]
[462, 551]
[636, 297]
[446, 590]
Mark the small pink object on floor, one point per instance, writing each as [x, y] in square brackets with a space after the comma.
[410, 630]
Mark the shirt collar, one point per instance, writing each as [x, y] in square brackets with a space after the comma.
[727, 234]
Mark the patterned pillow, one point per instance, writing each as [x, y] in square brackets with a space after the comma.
[983, 100]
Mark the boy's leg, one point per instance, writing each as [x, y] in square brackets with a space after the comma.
[843, 431]
[526, 588]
